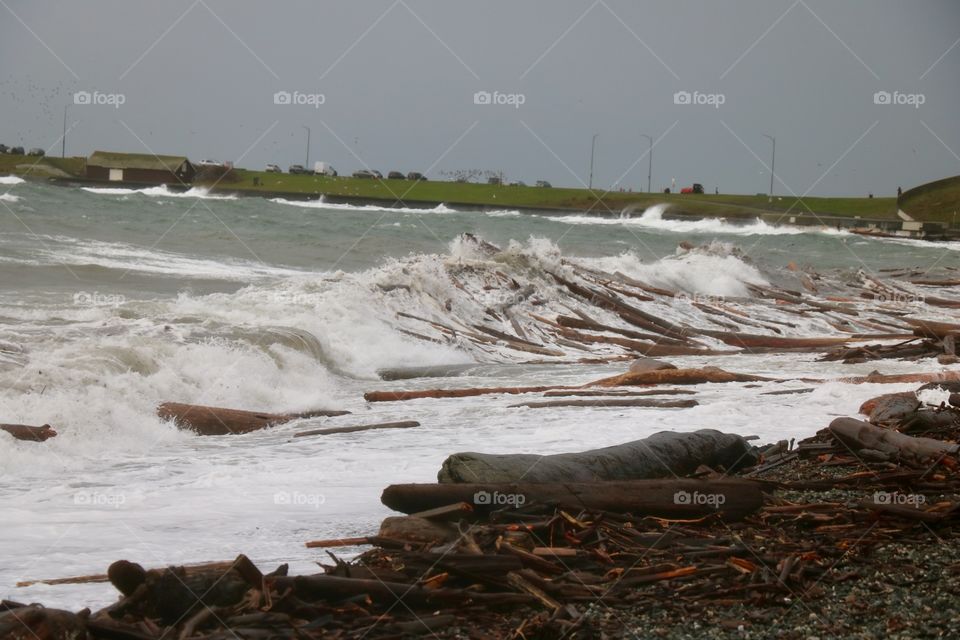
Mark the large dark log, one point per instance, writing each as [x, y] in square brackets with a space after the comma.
[677, 376]
[35, 622]
[25, 432]
[858, 435]
[748, 340]
[932, 329]
[661, 455]
[172, 593]
[217, 421]
[673, 498]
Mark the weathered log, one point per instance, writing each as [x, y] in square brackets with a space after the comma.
[932, 328]
[335, 588]
[217, 421]
[36, 622]
[642, 348]
[890, 407]
[748, 340]
[677, 376]
[433, 371]
[25, 432]
[415, 529]
[403, 424]
[661, 455]
[393, 396]
[569, 322]
[618, 393]
[879, 378]
[172, 593]
[610, 402]
[672, 498]
[858, 435]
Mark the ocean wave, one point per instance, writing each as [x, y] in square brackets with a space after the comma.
[9, 197]
[199, 193]
[336, 206]
[652, 219]
[11, 180]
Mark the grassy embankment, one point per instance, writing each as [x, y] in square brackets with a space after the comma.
[551, 198]
[935, 201]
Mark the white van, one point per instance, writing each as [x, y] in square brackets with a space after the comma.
[324, 169]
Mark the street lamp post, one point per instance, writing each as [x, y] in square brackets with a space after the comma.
[63, 140]
[773, 162]
[650, 160]
[307, 162]
[593, 148]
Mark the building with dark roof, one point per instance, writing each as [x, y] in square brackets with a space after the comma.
[139, 168]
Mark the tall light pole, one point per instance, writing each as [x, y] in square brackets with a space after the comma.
[63, 140]
[307, 163]
[773, 162]
[650, 163]
[593, 148]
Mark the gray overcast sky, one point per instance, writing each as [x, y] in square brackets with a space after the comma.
[399, 78]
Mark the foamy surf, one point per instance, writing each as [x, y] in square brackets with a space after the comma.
[652, 219]
[9, 197]
[336, 206]
[11, 180]
[162, 191]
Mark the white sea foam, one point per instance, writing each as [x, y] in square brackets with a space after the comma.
[323, 204]
[11, 180]
[9, 197]
[162, 191]
[652, 219]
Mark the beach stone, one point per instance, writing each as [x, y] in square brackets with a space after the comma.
[944, 358]
[890, 407]
[416, 529]
[643, 365]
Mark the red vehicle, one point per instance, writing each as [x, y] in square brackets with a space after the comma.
[696, 188]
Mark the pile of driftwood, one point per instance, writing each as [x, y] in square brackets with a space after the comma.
[511, 557]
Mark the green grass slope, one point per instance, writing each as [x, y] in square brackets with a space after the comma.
[937, 201]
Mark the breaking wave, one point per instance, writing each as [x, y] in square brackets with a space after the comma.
[11, 180]
[199, 193]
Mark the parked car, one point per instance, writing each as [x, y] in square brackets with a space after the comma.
[273, 168]
[17, 151]
[518, 183]
[363, 173]
[297, 169]
[210, 163]
[4, 148]
[544, 184]
[37, 151]
[494, 180]
[416, 175]
[376, 174]
[396, 175]
[696, 188]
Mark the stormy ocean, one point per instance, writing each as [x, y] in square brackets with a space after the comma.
[113, 301]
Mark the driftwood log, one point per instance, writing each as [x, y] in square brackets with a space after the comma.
[217, 421]
[677, 376]
[673, 498]
[610, 402]
[661, 455]
[403, 424]
[26, 432]
[859, 436]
